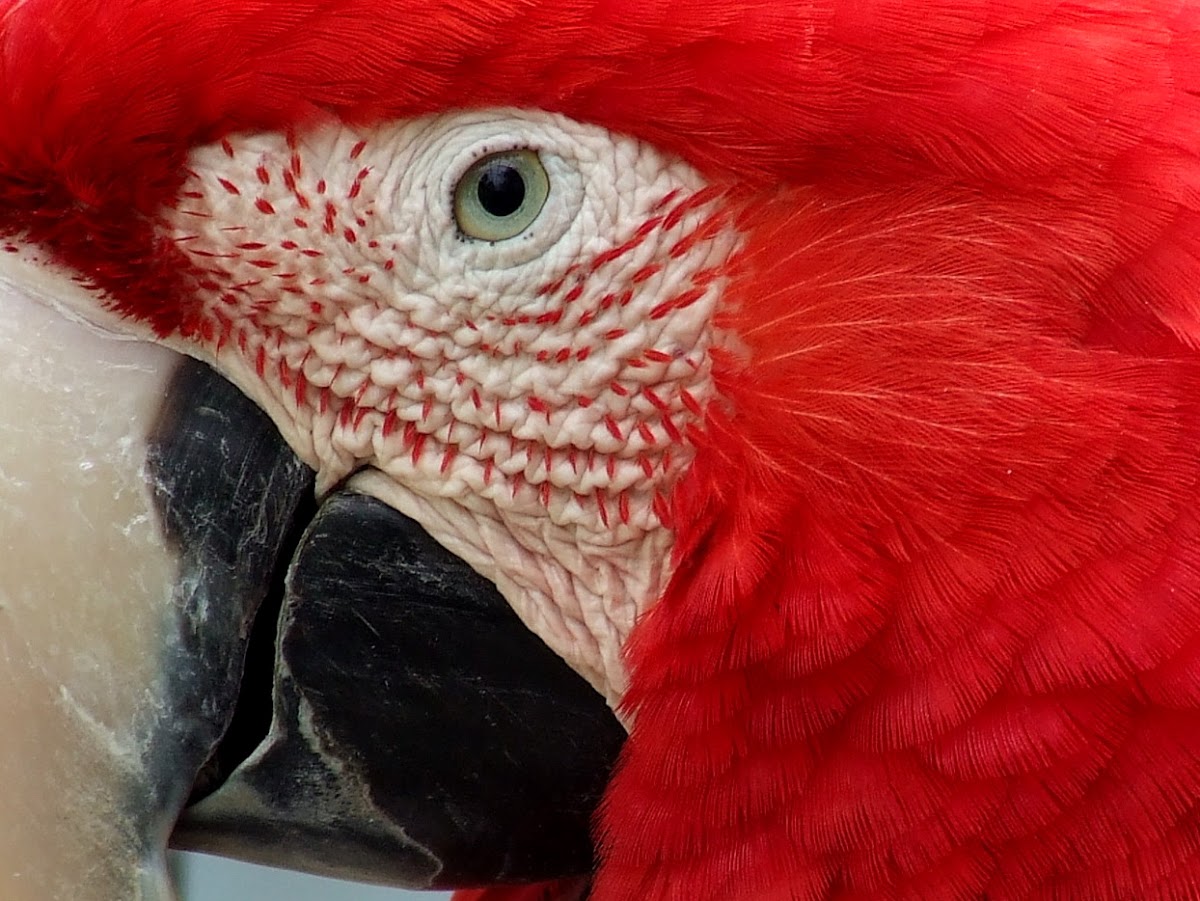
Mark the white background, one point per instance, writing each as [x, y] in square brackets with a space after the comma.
[206, 878]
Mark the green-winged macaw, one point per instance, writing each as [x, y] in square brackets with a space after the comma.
[820, 381]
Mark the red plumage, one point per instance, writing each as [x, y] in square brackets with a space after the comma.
[935, 625]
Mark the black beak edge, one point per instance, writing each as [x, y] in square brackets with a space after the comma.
[372, 708]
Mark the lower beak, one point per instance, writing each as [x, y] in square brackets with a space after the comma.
[410, 729]
[203, 653]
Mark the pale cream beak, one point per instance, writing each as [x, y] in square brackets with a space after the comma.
[85, 587]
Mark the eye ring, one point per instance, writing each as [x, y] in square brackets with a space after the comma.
[501, 195]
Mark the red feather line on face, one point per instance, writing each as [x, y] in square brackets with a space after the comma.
[935, 628]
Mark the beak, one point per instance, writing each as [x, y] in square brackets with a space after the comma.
[201, 653]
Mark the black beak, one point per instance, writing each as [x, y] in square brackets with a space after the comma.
[354, 700]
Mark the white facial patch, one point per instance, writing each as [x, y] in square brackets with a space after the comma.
[527, 400]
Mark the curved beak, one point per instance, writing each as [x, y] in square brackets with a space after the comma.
[202, 653]
[420, 734]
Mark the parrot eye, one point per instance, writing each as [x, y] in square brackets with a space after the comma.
[501, 195]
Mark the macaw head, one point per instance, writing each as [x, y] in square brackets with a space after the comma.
[817, 382]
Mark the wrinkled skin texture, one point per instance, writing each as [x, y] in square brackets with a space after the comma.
[933, 625]
[526, 399]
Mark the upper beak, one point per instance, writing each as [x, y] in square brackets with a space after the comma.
[199, 651]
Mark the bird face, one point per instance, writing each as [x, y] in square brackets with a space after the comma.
[517, 371]
[498, 323]
[882, 428]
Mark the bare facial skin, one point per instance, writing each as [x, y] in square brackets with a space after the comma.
[526, 399]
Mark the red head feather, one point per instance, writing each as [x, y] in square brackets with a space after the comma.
[935, 627]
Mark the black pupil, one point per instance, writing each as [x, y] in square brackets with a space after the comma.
[501, 189]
